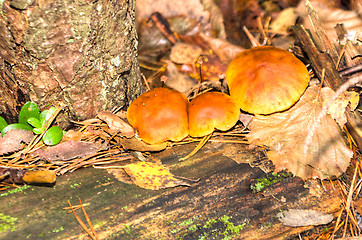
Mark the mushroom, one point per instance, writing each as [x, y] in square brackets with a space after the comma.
[211, 110]
[159, 115]
[265, 80]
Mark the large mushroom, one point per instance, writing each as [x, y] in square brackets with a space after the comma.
[159, 115]
[211, 110]
[265, 80]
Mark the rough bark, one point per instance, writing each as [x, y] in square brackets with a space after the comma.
[79, 54]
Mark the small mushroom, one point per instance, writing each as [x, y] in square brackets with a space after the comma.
[159, 115]
[211, 110]
[265, 80]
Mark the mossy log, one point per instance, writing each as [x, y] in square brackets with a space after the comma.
[222, 202]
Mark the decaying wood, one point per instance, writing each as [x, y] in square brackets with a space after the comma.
[20, 176]
[122, 211]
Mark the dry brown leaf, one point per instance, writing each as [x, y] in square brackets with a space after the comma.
[178, 80]
[66, 151]
[338, 108]
[225, 51]
[285, 133]
[185, 53]
[151, 175]
[120, 174]
[300, 218]
[13, 140]
[116, 124]
[284, 21]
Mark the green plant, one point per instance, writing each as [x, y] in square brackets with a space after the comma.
[31, 119]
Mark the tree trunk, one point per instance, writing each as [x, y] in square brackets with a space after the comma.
[79, 54]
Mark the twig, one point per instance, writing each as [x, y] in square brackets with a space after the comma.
[252, 39]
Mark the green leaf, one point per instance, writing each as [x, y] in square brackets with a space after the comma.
[38, 130]
[34, 122]
[46, 115]
[53, 136]
[30, 109]
[3, 123]
[16, 126]
[43, 115]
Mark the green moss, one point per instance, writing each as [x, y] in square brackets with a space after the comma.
[268, 180]
[56, 230]
[219, 228]
[15, 190]
[7, 223]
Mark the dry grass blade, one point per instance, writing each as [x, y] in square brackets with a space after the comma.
[89, 232]
[198, 147]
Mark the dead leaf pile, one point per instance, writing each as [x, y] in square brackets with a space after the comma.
[285, 133]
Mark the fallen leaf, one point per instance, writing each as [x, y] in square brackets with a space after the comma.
[285, 133]
[284, 21]
[120, 174]
[178, 80]
[216, 18]
[116, 124]
[329, 17]
[300, 218]
[184, 53]
[153, 176]
[66, 151]
[139, 145]
[338, 108]
[245, 119]
[225, 51]
[13, 140]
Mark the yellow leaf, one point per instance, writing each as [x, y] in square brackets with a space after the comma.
[150, 175]
[285, 134]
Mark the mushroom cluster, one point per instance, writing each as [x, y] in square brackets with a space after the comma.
[265, 80]
[163, 114]
[261, 80]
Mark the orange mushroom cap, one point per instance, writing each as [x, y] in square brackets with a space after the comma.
[159, 115]
[211, 110]
[264, 80]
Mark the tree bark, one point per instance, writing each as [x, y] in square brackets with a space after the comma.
[79, 54]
